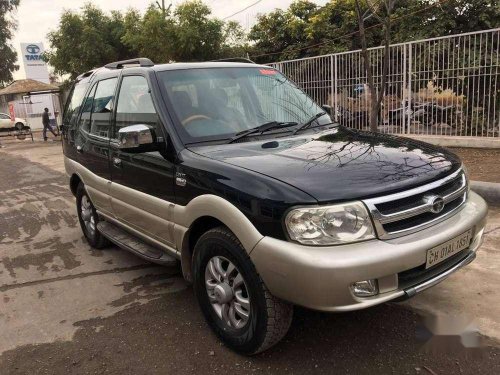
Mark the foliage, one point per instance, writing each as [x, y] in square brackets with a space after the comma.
[151, 35]
[288, 34]
[189, 33]
[90, 38]
[7, 52]
[87, 40]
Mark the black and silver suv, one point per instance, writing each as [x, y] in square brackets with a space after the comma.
[232, 170]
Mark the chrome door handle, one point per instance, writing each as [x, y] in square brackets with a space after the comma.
[117, 162]
[79, 149]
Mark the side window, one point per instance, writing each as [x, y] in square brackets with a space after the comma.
[84, 122]
[74, 103]
[135, 105]
[4, 117]
[102, 107]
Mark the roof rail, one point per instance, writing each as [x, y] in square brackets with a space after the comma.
[141, 61]
[236, 59]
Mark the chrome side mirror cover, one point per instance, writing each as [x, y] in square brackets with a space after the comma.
[135, 138]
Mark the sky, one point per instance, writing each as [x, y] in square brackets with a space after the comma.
[36, 18]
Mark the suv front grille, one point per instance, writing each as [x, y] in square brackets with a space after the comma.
[403, 213]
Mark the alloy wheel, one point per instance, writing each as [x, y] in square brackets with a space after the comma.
[227, 292]
[88, 215]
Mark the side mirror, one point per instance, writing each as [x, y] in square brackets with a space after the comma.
[136, 138]
[328, 109]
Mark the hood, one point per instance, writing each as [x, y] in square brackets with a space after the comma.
[340, 164]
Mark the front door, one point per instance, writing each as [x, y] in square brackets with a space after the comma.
[142, 183]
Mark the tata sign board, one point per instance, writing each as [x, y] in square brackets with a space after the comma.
[34, 66]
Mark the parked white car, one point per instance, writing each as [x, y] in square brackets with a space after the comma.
[6, 122]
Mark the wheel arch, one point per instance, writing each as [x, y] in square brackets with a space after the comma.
[74, 181]
[204, 213]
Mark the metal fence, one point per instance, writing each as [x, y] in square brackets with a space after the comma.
[440, 86]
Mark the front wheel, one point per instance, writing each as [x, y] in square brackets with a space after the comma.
[232, 296]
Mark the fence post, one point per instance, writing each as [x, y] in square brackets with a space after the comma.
[332, 83]
[410, 89]
[335, 87]
[404, 98]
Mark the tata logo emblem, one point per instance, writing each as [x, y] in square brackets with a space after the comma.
[435, 202]
[32, 49]
[180, 179]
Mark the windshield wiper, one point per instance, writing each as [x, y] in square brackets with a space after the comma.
[262, 129]
[308, 123]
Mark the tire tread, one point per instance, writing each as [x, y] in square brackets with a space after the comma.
[280, 313]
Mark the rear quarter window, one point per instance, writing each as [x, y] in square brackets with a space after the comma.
[74, 103]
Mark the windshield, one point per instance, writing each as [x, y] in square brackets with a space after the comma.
[217, 103]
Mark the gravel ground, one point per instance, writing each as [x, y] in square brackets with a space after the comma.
[483, 163]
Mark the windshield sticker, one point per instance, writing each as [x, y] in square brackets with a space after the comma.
[268, 71]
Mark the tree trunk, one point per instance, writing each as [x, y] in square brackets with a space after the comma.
[373, 114]
[375, 97]
[385, 63]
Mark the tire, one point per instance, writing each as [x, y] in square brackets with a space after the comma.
[94, 238]
[19, 126]
[269, 318]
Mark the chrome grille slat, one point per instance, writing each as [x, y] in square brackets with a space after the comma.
[404, 214]
[452, 196]
[421, 210]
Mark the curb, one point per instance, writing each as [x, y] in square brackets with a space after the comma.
[490, 191]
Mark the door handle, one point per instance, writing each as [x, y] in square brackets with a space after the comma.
[117, 162]
[79, 149]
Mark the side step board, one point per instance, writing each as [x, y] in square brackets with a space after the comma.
[129, 242]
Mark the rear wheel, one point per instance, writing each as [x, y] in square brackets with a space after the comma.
[233, 297]
[88, 218]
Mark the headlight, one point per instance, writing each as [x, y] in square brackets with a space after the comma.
[330, 225]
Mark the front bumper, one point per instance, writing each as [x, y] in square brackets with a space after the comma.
[320, 277]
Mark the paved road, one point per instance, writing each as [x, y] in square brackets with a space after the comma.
[65, 308]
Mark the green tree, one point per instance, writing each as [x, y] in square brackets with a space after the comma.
[446, 18]
[188, 33]
[85, 40]
[151, 35]
[199, 37]
[8, 54]
[284, 34]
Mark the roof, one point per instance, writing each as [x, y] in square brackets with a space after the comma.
[24, 86]
[172, 66]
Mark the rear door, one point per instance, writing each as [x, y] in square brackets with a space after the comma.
[142, 183]
[92, 141]
[70, 118]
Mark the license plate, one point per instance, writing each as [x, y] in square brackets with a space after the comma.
[449, 248]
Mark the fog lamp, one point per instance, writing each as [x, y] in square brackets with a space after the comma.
[365, 288]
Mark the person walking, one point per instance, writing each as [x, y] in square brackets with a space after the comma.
[46, 124]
